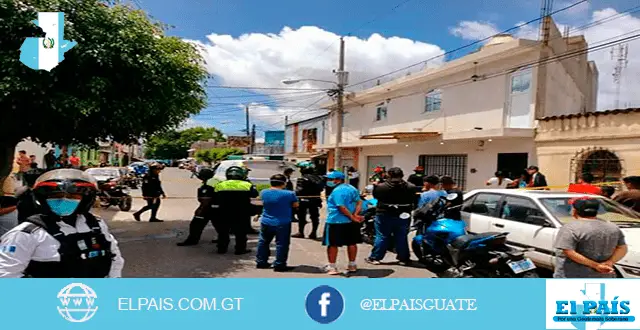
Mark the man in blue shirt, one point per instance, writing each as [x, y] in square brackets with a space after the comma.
[343, 223]
[431, 191]
[277, 208]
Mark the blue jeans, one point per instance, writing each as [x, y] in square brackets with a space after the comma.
[387, 228]
[282, 234]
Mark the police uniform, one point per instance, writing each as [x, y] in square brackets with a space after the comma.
[308, 189]
[235, 209]
[151, 191]
[47, 249]
[207, 211]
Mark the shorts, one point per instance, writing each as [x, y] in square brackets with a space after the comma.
[342, 234]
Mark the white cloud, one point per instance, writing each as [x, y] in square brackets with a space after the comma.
[191, 123]
[474, 30]
[264, 60]
[612, 29]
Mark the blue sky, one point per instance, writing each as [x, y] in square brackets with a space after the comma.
[429, 22]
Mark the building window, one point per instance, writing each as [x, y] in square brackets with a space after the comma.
[381, 112]
[521, 82]
[433, 101]
[454, 166]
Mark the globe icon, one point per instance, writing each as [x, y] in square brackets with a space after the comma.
[78, 303]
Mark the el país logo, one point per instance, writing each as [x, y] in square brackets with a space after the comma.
[77, 303]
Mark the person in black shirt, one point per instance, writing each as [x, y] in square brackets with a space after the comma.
[287, 173]
[151, 192]
[308, 189]
[205, 212]
[26, 203]
[396, 198]
[449, 186]
[417, 179]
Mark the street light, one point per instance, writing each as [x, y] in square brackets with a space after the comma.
[339, 93]
[295, 81]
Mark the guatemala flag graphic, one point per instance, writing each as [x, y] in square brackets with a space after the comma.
[45, 53]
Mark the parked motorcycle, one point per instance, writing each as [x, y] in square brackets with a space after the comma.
[443, 243]
[132, 180]
[113, 193]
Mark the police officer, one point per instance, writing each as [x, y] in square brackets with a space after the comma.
[308, 189]
[65, 240]
[234, 198]
[151, 192]
[417, 179]
[205, 212]
[393, 216]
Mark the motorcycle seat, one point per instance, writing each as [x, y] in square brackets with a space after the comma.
[462, 242]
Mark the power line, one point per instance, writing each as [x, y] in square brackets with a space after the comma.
[559, 57]
[466, 46]
[270, 88]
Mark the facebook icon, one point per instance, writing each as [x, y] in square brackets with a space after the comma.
[324, 304]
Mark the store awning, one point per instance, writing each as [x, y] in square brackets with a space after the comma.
[400, 136]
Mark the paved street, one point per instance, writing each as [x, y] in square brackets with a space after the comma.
[150, 251]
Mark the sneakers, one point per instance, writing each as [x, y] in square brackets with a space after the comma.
[331, 270]
[136, 216]
[297, 235]
[372, 261]
[263, 266]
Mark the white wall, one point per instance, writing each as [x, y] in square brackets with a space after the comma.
[563, 95]
[485, 161]
[288, 139]
[310, 124]
[33, 148]
[464, 106]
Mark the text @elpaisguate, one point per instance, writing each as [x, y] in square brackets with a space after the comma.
[418, 304]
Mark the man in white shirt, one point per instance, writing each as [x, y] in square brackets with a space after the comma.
[499, 181]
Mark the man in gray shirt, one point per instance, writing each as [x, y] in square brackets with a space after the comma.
[588, 247]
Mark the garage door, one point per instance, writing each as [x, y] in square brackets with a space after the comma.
[452, 165]
[374, 161]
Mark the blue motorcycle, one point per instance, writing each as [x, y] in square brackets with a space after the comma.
[442, 242]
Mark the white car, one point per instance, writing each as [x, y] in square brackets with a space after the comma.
[260, 171]
[532, 219]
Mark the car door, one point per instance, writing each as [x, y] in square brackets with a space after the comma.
[528, 228]
[479, 210]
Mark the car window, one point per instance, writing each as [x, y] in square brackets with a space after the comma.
[484, 204]
[267, 169]
[522, 210]
[103, 172]
[609, 210]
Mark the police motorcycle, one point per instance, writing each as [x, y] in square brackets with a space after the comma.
[112, 192]
[442, 242]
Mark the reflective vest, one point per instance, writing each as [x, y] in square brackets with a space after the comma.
[82, 255]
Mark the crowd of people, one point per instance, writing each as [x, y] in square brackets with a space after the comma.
[59, 237]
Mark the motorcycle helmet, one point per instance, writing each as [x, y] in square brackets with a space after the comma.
[65, 192]
[236, 173]
[306, 167]
[205, 174]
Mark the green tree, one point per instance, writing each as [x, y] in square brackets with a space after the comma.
[211, 156]
[123, 80]
[175, 144]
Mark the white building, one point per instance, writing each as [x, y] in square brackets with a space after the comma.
[301, 138]
[471, 116]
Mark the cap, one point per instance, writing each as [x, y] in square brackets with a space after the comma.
[634, 180]
[533, 167]
[335, 175]
[419, 168]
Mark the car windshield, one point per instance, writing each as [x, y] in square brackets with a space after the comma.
[258, 170]
[114, 173]
[609, 210]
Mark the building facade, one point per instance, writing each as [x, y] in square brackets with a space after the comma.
[605, 144]
[471, 116]
[301, 138]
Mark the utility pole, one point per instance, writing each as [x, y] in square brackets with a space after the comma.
[620, 56]
[253, 138]
[246, 110]
[342, 81]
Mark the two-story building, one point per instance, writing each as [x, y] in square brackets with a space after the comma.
[302, 137]
[471, 116]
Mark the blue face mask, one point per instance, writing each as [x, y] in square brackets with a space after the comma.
[331, 184]
[63, 206]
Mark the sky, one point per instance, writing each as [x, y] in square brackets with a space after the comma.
[258, 43]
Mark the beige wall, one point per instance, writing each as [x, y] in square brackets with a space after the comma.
[559, 141]
[484, 160]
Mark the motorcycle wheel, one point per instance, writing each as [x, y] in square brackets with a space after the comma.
[104, 203]
[126, 203]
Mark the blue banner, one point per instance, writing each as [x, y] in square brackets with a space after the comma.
[287, 303]
[274, 138]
